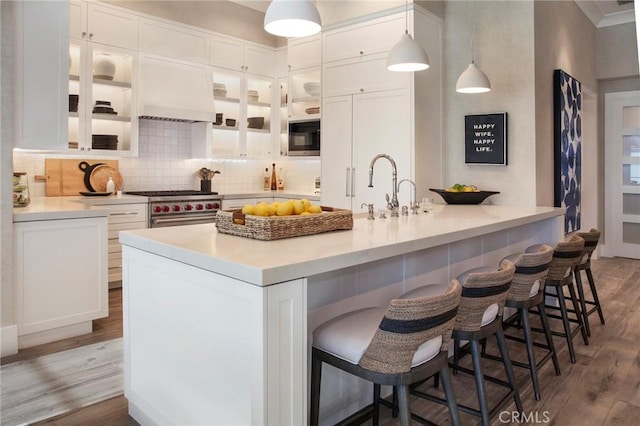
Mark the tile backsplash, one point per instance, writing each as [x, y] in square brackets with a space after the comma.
[163, 163]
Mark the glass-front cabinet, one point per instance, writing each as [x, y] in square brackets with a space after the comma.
[304, 94]
[243, 105]
[102, 116]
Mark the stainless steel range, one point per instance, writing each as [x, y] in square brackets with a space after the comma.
[173, 208]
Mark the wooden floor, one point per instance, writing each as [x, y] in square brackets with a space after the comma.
[602, 388]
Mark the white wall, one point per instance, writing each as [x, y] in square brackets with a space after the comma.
[506, 56]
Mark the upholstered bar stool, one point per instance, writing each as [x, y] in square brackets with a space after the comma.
[402, 344]
[527, 291]
[566, 255]
[591, 239]
[484, 291]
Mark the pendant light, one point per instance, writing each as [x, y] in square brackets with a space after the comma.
[292, 18]
[473, 80]
[407, 55]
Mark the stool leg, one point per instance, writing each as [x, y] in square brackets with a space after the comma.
[592, 285]
[576, 306]
[316, 376]
[456, 356]
[533, 370]
[508, 368]
[451, 398]
[477, 370]
[376, 404]
[583, 302]
[403, 400]
[394, 399]
[565, 323]
[547, 333]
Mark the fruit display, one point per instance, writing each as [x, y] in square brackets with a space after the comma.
[301, 207]
[458, 187]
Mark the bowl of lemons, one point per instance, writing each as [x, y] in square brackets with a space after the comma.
[463, 194]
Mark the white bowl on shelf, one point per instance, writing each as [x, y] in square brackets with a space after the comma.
[312, 88]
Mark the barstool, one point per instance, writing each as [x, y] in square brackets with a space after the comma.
[484, 291]
[566, 255]
[402, 344]
[527, 291]
[591, 239]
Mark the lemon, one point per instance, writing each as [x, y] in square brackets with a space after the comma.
[275, 204]
[261, 209]
[314, 209]
[305, 214]
[285, 209]
[298, 207]
[271, 210]
[306, 202]
[249, 209]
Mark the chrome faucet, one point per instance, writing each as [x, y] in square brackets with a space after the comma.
[393, 204]
[413, 203]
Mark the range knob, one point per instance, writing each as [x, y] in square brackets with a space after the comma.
[209, 206]
[166, 209]
[176, 208]
[157, 209]
[188, 207]
[216, 206]
[199, 206]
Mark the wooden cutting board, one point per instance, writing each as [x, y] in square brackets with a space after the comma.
[64, 177]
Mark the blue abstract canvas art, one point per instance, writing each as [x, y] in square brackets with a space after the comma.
[567, 147]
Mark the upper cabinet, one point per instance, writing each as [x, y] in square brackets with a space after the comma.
[304, 52]
[174, 41]
[237, 55]
[42, 64]
[99, 23]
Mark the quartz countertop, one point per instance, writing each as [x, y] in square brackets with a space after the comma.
[55, 208]
[268, 262]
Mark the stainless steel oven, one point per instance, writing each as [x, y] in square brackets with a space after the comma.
[304, 138]
[174, 208]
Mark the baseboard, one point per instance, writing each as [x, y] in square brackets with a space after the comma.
[42, 337]
[9, 340]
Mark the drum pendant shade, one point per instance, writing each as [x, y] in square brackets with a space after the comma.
[292, 18]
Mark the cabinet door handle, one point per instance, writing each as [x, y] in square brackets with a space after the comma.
[123, 214]
[90, 36]
[361, 52]
[346, 190]
[84, 34]
[353, 182]
[361, 89]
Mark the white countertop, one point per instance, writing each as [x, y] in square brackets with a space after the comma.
[55, 208]
[269, 262]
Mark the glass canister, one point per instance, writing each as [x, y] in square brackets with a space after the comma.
[21, 196]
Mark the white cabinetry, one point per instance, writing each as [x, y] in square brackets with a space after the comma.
[357, 128]
[60, 275]
[237, 55]
[174, 41]
[304, 52]
[103, 24]
[368, 110]
[118, 90]
[42, 39]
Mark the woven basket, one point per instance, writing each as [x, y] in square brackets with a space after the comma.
[277, 227]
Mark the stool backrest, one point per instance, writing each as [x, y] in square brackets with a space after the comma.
[481, 290]
[591, 239]
[530, 267]
[566, 255]
[406, 325]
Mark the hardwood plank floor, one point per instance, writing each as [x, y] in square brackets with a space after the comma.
[602, 388]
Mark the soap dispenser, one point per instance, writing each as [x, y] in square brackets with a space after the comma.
[111, 186]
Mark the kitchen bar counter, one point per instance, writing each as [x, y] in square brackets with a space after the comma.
[217, 328]
[54, 208]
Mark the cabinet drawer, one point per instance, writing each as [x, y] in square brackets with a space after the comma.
[115, 260]
[360, 75]
[115, 274]
[239, 203]
[127, 213]
[365, 38]
[114, 246]
[115, 228]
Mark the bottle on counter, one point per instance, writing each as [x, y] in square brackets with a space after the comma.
[281, 180]
[266, 180]
[111, 185]
[274, 181]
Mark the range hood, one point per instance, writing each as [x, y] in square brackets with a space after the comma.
[175, 90]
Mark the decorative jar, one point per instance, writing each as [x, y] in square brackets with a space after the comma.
[104, 66]
[21, 196]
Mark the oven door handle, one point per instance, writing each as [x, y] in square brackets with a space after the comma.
[182, 219]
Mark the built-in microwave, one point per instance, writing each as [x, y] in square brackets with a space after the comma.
[304, 137]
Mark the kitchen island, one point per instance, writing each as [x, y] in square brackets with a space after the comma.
[217, 328]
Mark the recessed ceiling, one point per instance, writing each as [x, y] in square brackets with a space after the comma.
[604, 13]
[260, 5]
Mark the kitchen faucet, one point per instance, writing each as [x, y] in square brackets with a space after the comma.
[392, 205]
[413, 203]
